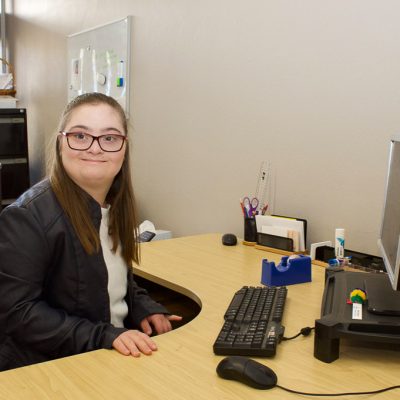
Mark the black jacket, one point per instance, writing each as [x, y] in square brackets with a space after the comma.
[54, 300]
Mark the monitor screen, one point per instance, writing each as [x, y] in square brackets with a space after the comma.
[389, 238]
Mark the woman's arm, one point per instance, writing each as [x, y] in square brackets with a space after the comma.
[140, 304]
[25, 315]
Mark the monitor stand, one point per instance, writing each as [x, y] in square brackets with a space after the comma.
[336, 314]
[382, 299]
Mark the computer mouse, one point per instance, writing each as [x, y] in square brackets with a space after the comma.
[229, 239]
[247, 371]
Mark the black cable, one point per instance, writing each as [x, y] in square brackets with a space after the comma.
[340, 394]
[304, 331]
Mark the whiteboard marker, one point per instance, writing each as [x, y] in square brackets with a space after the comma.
[120, 74]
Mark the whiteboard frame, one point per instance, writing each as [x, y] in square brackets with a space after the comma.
[81, 80]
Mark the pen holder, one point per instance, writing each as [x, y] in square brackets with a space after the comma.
[250, 230]
[287, 272]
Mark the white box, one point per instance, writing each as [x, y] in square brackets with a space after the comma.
[161, 235]
[8, 102]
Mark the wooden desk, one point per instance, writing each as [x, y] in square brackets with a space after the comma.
[184, 367]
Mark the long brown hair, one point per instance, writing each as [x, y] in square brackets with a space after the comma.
[75, 201]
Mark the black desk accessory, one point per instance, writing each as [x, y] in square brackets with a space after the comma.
[252, 322]
[247, 371]
[146, 236]
[250, 230]
[362, 261]
[336, 314]
[276, 242]
[229, 239]
[280, 242]
[256, 375]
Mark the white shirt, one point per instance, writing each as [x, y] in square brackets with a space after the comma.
[117, 274]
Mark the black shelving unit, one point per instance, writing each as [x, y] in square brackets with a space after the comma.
[13, 154]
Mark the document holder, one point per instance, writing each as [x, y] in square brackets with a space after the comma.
[297, 219]
[276, 242]
[282, 233]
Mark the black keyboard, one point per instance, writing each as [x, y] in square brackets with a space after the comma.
[253, 322]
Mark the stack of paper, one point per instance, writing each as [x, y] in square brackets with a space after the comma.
[284, 227]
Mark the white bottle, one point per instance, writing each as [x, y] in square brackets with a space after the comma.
[339, 243]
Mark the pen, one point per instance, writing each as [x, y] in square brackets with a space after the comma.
[120, 74]
[264, 209]
[243, 209]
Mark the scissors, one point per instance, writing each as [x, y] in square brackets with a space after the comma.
[250, 206]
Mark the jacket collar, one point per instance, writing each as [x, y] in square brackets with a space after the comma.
[94, 210]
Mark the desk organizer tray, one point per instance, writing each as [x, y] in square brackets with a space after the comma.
[362, 261]
[280, 232]
[336, 315]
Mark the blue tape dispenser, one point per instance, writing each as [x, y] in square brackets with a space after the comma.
[291, 270]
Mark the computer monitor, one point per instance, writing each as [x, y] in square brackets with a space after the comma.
[389, 238]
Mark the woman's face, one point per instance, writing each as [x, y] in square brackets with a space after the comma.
[93, 169]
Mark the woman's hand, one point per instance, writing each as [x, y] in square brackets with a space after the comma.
[160, 322]
[134, 343]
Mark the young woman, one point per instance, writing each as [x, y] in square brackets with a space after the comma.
[68, 245]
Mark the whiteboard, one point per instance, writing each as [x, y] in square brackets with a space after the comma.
[99, 61]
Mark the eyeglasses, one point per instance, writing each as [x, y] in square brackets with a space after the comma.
[83, 141]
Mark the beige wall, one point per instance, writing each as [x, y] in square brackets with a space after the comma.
[221, 85]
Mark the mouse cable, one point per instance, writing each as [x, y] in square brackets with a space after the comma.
[340, 394]
[304, 331]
